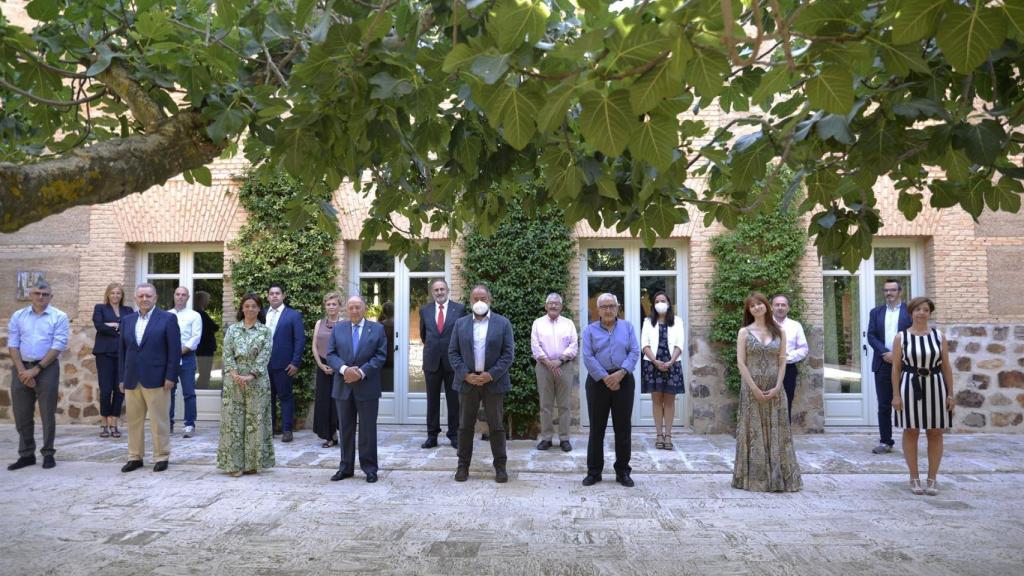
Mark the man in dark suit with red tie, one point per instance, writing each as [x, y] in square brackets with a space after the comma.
[437, 322]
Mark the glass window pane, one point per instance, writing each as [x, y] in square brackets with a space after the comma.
[601, 259]
[903, 279]
[418, 296]
[842, 335]
[597, 286]
[376, 261]
[163, 263]
[164, 292]
[209, 363]
[657, 258]
[208, 263]
[379, 294]
[433, 261]
[892, 258]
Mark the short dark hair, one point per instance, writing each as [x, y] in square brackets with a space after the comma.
[276, 285]
[893, 281]
[780, 295]
[262, 317]
[918, 302]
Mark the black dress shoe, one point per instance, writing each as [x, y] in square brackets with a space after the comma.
[371, 477]
[131, 465]
[22, 462]
[286, 436]
[485, 436]
[160, 466]
[461, 474]
[431, 442]
[566, 447]
[591, 479]
[544, 445]
[500, 475]
[625, 480]
[341, 475]
[48, 461]
[455, 443]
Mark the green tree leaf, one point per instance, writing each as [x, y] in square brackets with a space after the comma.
[774, 81]
[910, 204]
[967, 36]
[607, 121]
[518, 116]
[555, 107]
[706, 72]
[751, 163]
[460, 55]
[654, 141]
[562, 174]
[915, 19]
[831, 90]
[513, 21]
[643, 44]
[956, 164]
[982, 142]
[656, 85]
[43, 10]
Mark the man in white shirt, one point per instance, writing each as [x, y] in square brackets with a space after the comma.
[190, 324]
[796, 346]
[884, 322]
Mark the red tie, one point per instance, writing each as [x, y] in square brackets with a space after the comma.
[440, 319]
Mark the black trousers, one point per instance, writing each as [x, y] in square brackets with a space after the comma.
[601, 401]
[111, 397]
[470, 398]
[349, 412]
[436, 381]
[883, 391]
[789, 385]
[325, 411]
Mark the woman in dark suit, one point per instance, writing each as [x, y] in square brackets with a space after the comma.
[106, 317]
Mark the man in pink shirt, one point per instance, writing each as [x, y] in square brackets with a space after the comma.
[554, 343]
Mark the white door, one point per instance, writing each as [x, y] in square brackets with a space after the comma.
[386, 282]
[850, 398]
[198, 267]
[634, 274]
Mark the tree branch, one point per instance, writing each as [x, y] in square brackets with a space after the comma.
[730, 41]
[54, 69]
[48, 101]
[143, 108]
[103, 172]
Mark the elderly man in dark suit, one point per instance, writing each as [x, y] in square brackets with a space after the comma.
[356, 351]
[884, 323]
[289, 340]
[150, 357]
[481, 352]
[437, 323]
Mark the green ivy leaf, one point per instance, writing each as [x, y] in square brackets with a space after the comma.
[967, 36]
[831, 90]
[607, 121]
[654, 141]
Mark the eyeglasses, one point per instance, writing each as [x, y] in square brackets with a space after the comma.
[608, 306]
[42, 294]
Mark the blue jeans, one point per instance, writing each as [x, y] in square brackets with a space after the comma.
[187, 379]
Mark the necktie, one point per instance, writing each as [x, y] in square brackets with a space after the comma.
[355, 338]
[440, 319]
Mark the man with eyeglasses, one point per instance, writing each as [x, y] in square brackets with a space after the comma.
[36, 335]
[884, 323]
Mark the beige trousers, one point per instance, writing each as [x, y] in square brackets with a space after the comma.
[156, 401]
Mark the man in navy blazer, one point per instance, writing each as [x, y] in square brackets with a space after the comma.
[356, 351]
[150, 357]
[481, 352]
[289, 340]
[437, 323]
[884, 323]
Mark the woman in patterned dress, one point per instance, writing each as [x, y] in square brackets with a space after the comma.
[765, 457]
[662, 342]
[922, 376]
[245, 425]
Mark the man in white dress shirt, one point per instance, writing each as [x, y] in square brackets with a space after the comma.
[190, 324]
[796, 346]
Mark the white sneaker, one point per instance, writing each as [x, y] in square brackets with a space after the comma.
[188, 431]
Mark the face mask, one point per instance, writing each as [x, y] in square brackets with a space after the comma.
[480, 308]
[661, 307]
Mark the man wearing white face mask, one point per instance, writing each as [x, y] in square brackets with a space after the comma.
[481, 352]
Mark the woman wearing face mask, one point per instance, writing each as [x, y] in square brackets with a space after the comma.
[662, 342]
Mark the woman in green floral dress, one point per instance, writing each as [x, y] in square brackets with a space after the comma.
[245, 425]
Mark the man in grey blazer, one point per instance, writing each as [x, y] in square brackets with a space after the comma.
[357, 351]
[437, 324]
[481, 352]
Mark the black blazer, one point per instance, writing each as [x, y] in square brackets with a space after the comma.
[106, 337]
[435, 344]
[876, 332]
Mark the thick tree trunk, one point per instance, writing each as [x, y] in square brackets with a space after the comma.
[103, 172]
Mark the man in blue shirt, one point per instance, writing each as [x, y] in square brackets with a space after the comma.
[610, 353]
[36, 335]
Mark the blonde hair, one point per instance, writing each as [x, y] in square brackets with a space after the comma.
[110, 288]
[332, 296]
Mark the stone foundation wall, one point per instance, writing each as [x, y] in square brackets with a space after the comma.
[988, 374]
[78, 401]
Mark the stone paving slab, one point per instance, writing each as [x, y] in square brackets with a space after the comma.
[854, 515]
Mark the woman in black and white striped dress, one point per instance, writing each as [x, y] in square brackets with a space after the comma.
[922, 396]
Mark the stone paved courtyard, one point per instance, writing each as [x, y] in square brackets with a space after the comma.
[854, 516]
